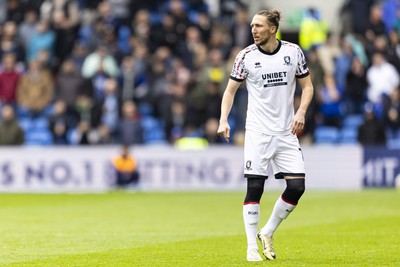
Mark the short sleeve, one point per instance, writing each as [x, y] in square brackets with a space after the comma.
[302, 69]
[239, 71]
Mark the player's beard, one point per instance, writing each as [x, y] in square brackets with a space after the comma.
[263, 41]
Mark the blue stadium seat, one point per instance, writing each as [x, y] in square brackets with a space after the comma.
[70, 136]
[124, 34]
[22, 113]
[26, 124]
[84, 34]
[393, 143]
[353, 121]
[149, 123]
[348, 135]
[38, 137]
[326, 135]
[41, 123]
[153, 130]
[146, 109]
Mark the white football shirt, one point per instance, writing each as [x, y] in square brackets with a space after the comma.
[271, 83]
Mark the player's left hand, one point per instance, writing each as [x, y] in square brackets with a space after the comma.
[297, 123]
[224, 130]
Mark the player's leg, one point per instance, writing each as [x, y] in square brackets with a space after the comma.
[255, 171]
[283, 207]
[251, 215]
[135, 178]
[119, 182]
[290, 165]
[285, 204]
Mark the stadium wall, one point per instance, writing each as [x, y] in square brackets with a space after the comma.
[164, 168]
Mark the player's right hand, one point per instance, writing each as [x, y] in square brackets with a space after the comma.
[224, 130]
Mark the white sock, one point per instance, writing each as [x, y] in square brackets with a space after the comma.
[251, 216]
[280, 212]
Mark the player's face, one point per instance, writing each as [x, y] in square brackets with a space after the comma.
[261, 30]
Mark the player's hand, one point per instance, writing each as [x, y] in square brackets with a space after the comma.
[297, 124]
[224, 130]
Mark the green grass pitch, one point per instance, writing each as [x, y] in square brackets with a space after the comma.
[195, 229]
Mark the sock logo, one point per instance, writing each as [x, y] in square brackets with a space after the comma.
[252, 212]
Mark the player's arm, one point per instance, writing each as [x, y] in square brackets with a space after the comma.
[226, 106]
[306, 97]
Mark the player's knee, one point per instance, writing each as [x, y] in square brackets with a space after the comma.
[253, 195]
[255, 189]
[297, 185]
[294, 190]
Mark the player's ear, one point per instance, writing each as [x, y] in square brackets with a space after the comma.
[272, 29]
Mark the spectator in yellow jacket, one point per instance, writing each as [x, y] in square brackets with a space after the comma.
[126, 169]
[313, 30]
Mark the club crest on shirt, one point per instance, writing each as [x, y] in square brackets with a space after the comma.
[287, 61]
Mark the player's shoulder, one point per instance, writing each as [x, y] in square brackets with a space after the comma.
[248, 50]
[289, 45]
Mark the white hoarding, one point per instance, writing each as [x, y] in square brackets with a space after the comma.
[88, 169]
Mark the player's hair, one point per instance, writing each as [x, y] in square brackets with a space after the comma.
[273, 16]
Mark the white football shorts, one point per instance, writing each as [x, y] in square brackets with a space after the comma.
[282, 152]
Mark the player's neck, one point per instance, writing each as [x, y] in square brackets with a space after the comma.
[271, 46]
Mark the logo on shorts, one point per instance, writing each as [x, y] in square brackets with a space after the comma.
[248, 165]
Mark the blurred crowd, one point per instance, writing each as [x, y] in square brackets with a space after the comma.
[355, 73]
[80, 72]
